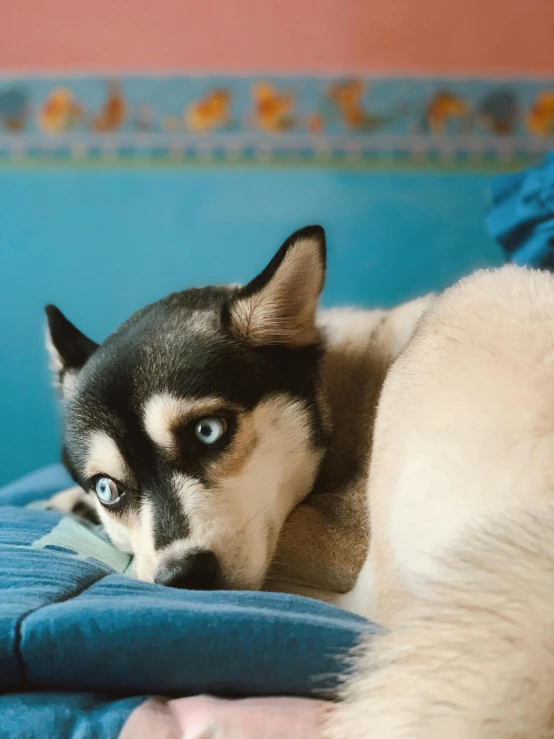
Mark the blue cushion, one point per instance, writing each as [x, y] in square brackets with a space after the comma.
[64, 715]
[70, 621]
[36, 486]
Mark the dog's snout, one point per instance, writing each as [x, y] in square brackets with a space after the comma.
[196, 570]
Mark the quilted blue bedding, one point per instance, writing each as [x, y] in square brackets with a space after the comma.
[82, 645]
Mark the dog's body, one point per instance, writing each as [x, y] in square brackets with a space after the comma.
[459, 482]
[461, 560]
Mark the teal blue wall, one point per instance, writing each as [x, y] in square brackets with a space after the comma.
[101, 243]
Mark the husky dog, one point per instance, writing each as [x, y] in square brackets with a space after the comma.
[209, 416]
[460, 566]
[203, 426]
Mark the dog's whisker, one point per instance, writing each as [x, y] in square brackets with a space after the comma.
[252, 517]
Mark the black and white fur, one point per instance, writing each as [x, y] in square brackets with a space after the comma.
[460, 564]
[195, 514]
[296, 391]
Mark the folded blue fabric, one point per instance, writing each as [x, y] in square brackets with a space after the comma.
[70, 622]
[64, 715]
[522, 215]
[38, 485]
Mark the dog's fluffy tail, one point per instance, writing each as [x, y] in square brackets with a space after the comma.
[474, 659]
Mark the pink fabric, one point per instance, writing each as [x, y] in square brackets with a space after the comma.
[204, 717]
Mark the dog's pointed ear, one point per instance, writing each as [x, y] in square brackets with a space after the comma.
[279, 305]
[68, 348]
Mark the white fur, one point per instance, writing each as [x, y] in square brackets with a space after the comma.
[284, 310]
[142, 539]
[461, 491]
[239, 519]
[119, 533]
[163, 411]
[356, 325]
[104, 457]
[473, 657]
[240, 515]
[158, 415]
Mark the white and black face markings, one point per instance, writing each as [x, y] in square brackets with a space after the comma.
[141, 537]
[104, 457]
[138, 519]
[196, 467]
[251, 491]
[106, 472]
[169, 520]
[160, 414]
[188, 432]
[164, 412]
[119, 529]
[104, 461]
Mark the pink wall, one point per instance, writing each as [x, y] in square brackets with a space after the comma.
[495, 36]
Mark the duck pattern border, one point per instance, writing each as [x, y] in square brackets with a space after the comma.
[296, 120]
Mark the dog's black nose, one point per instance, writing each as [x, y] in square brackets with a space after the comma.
[196, 570]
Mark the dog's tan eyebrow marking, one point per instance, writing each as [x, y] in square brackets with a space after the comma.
[104, 457]
[163, 412]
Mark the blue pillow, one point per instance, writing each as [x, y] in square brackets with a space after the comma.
[71, 621]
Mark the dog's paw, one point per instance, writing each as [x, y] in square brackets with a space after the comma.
[75, 501]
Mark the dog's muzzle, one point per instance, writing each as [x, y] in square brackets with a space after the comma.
[196, 570]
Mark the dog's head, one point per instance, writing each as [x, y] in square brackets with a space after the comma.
[201, 422]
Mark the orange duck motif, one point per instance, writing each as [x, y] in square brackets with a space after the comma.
[114, 111]
[209, 113]
[540, 117]
[348, 98]
[273, 110]
[61, 112]
[445, 107]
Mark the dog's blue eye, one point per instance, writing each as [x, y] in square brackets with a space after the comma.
[210, 430]
[107, 491]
